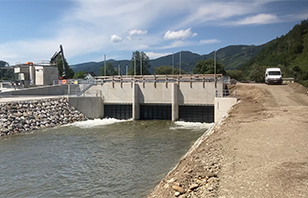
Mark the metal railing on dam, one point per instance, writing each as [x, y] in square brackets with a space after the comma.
[173, 97]
[160, 78]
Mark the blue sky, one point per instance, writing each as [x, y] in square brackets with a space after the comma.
[32, 30]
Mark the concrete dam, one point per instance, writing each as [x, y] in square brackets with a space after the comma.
[193, 98]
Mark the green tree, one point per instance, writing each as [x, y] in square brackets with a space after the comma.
[69, 73]
[80, 74]
[3, 64]
[257, 73]
[235, 74]
[167, 69]
[286, 71]
[207, 67]
[110, 71]
[300, 76]
[298, 73]
[139, 58]
[6, 73]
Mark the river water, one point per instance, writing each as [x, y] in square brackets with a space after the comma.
[95, 158]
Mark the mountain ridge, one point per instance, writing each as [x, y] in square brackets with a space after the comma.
[232, 57]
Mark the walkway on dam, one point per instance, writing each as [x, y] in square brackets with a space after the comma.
[260, 150]
[24, 98]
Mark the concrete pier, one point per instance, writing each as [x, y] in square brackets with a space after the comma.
[135, 102]
[174, 101]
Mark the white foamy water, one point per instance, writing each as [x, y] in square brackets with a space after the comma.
[191, 125]
[96, 122]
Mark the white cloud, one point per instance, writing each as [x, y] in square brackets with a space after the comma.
[178, 43]
[88, 27]
[132, 33]
[154, 55]
[115, 39]
[217, 11]
[258, 19]
[209, 41]
[177, 35]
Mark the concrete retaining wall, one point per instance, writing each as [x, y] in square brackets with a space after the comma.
[114, 93]
[91, 107]
[197, 93]
[222, 105]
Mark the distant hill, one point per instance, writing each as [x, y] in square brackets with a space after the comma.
[231, 56]
[289, 50]
[186, 58]
[89, 67]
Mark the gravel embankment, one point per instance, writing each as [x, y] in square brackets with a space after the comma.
[259, 150]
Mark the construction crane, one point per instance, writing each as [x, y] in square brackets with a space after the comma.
[54, 58]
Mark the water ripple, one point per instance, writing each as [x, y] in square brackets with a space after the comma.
[96, 158]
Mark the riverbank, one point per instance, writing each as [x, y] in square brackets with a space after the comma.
[27, 115]
[259, 150]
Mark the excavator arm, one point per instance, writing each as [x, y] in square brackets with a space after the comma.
[54, 58]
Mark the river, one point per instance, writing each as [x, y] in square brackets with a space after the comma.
[95, 158]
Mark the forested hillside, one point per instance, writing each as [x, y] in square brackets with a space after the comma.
[289, 52]
[186, 61]
[233, 57]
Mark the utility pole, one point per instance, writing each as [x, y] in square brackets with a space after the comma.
[140, 63]
[215, 65]
[215, 80]
[105, 69]
[180, 63]
[135, 64]
[173, 63]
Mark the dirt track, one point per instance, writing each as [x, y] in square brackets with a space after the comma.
[260, 150]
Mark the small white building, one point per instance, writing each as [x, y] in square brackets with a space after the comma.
[36, 74]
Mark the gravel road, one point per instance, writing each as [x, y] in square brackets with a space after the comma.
[266, 152]
[260, 150]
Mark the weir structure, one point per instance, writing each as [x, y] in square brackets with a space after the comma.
[193, 98]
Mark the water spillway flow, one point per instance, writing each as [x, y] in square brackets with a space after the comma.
[94, 158]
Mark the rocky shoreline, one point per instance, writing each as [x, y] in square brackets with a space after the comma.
[24, 116]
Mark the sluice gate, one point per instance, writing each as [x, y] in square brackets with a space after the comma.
[118, 111]
[155, 112]
[188, 113]
[197, 113]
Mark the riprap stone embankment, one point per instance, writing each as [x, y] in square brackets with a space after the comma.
[23, 116]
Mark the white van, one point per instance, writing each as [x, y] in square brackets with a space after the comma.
[273, 76]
